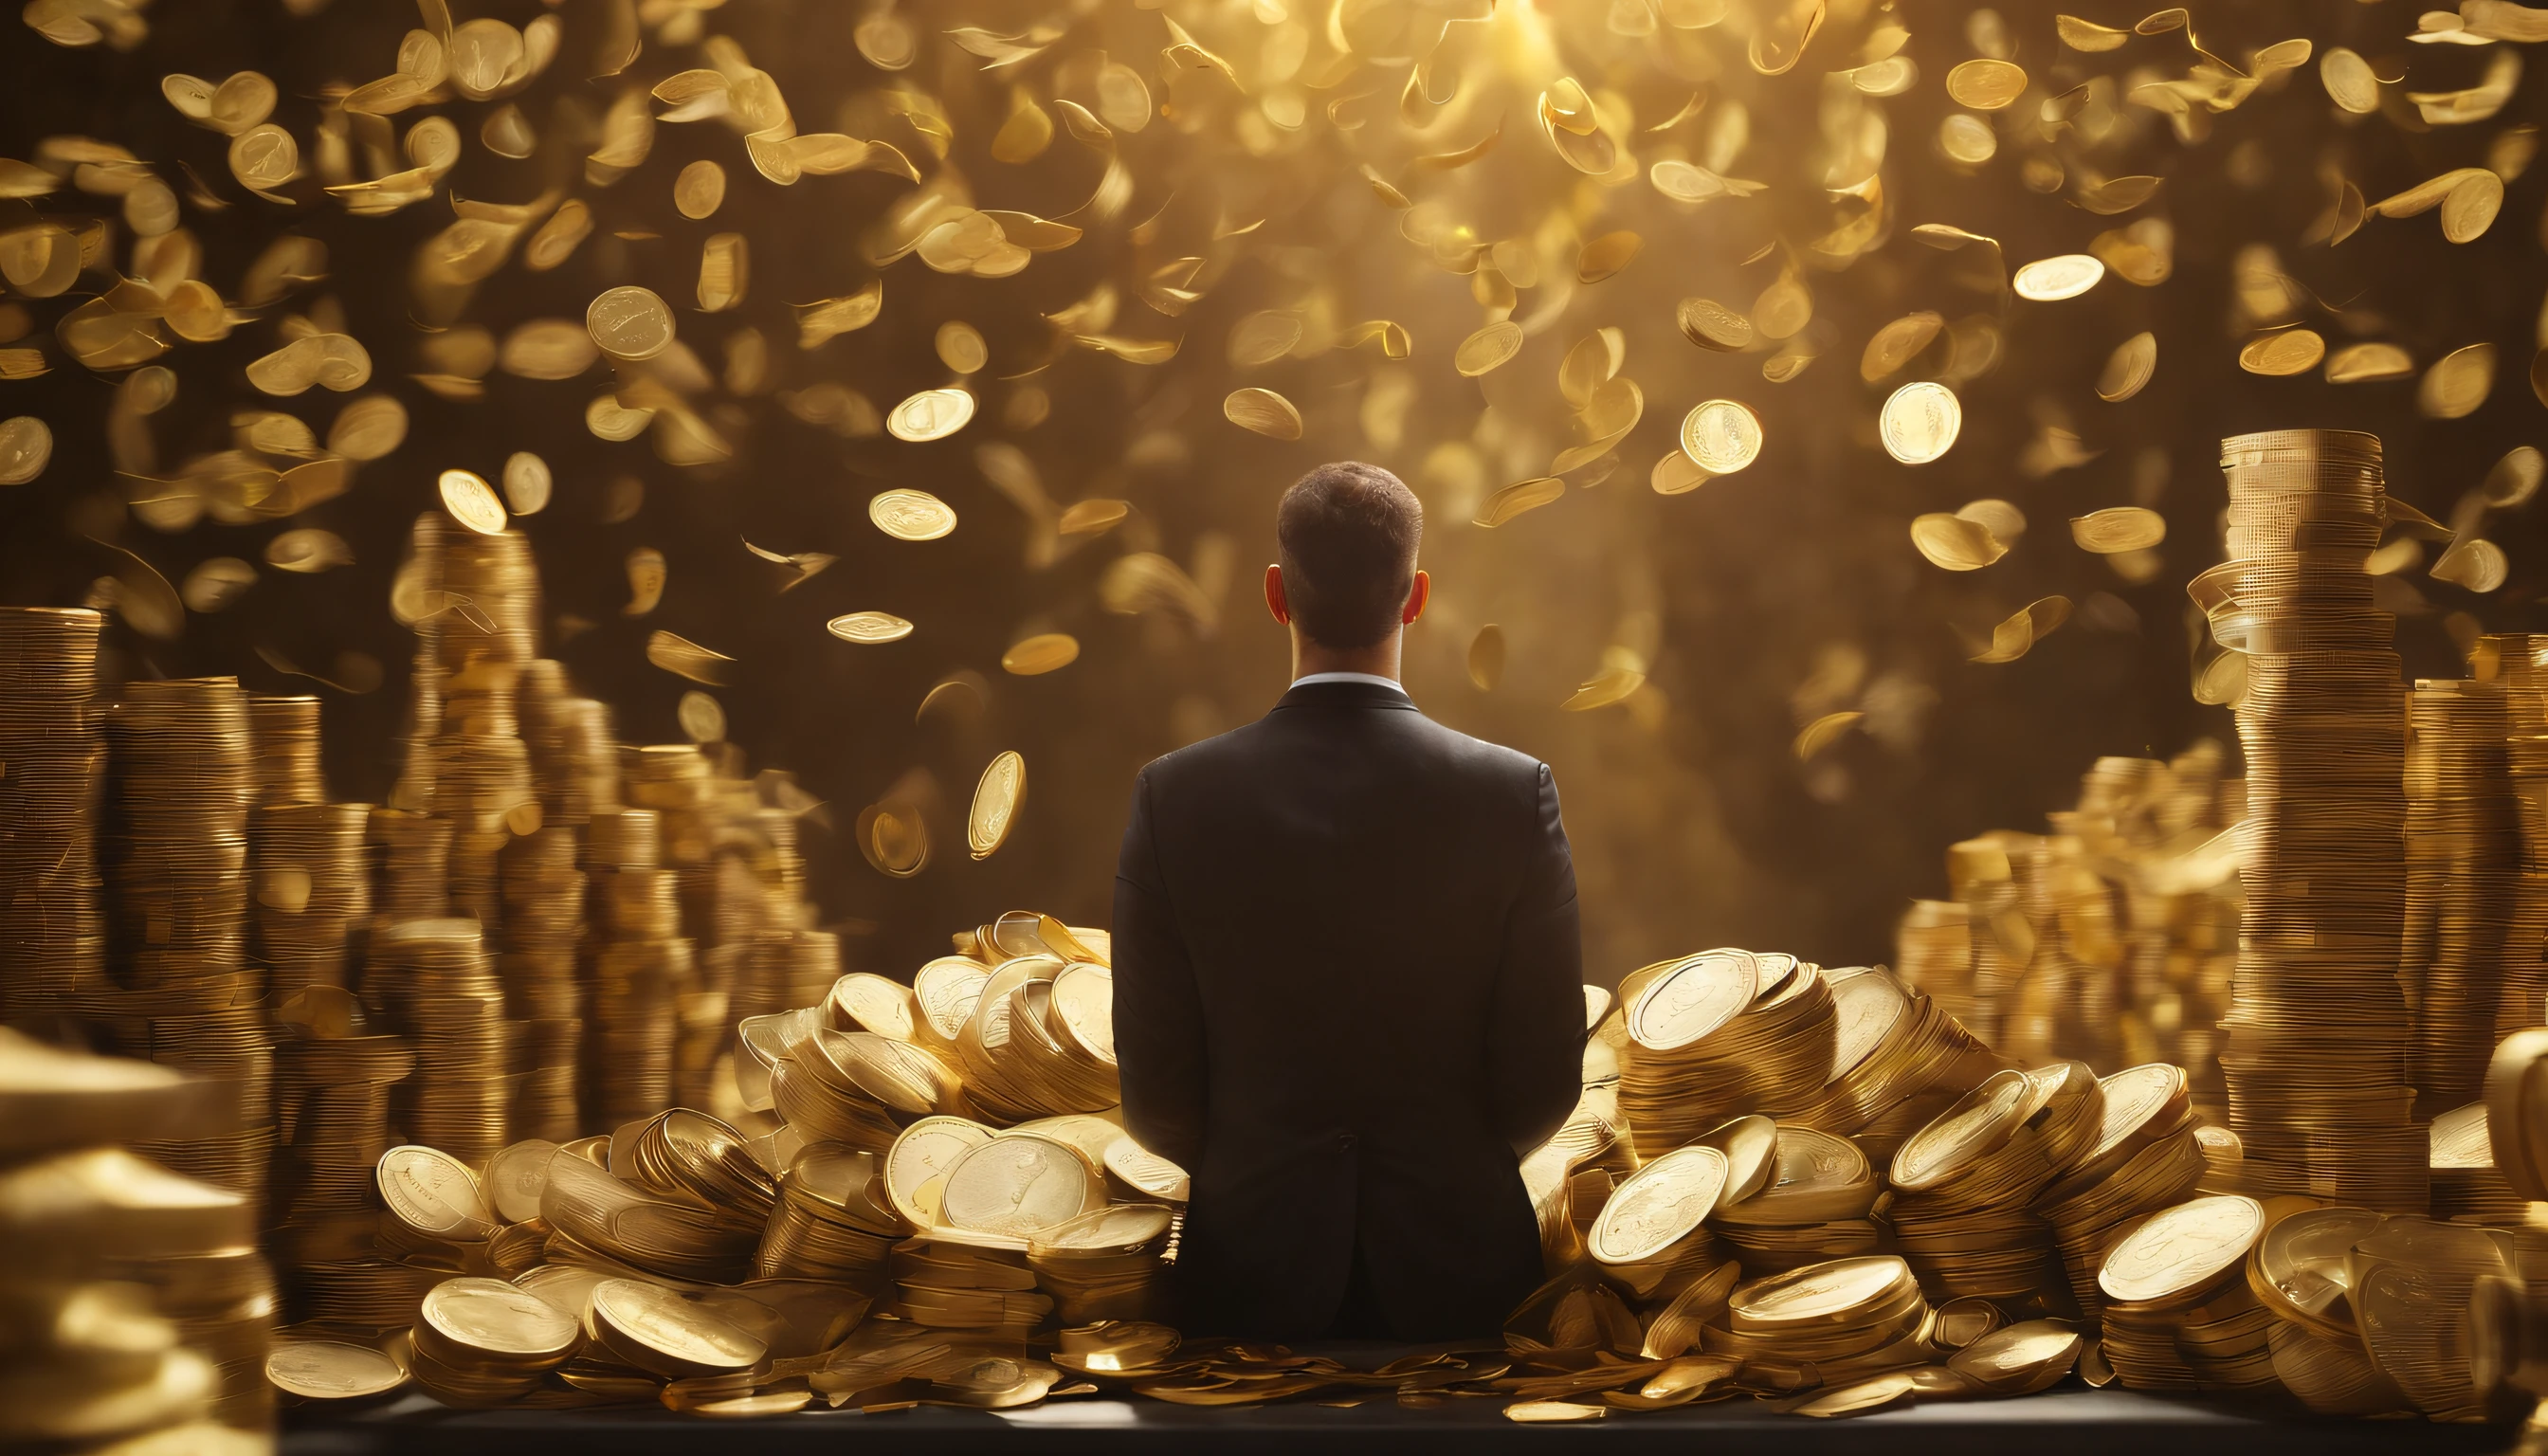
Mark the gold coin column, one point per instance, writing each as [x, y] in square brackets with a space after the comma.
[1933, 948]
[53, 928]
[719, 904]
[2463, 856]
[2316, 1053]
[2519, 661]
[1981, 877]
[575, 770]
[635, 968]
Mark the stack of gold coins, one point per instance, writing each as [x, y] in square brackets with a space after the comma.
[286, 732]
[418, 601]
[2519, 662]
[636, 967]
[2145, 1158]
[2179, 1315]
[53, 931]
[2463, 877]
[667, 1334]
[1827, 1324]
[593, 1211]
[1985, 875]
[2468, 1187]
[1815, 1206]
[719, 900]
[1108, 1264]
[691, 1155]
[176, 851]
[481, 1342]
[1933, 949]
[2299, 1271]
[2411, 1285]
[334, 1079]
[313, 884]
[958, 1279]
[1651, 1239]
[832, 1223]
[1962, 1186]
[482, 786]
[1721, 1032]
[1041, 1041]
[2317, 1037]
[95, 1236]
[1898, 1059]
[432, 981]
[415, 865]
[229, 1047]
[575, 757]
[542, 922]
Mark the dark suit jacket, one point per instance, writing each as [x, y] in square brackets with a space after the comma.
[1347, 997]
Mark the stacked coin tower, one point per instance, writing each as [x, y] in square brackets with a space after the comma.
[2145, 1158]
[636, 965]
[286, 730]
[336, 1078]
[720, 902]
[52, 933]
[1721, 1032]
[542, 927]
[2179, 1313]
[2463, 875]
[1983, 877]
[2519, 662]
[104, 1249]
[433, 981]
[2317, 1033]
[176, 858]
[1964, 1185]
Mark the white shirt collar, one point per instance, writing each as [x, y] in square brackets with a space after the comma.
[1373, 679]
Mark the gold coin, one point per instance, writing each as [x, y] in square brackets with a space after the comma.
[2119, 528]
[863, 1001]
[701, 717]
[1688, 1001]
[1488, 348]
[1985, 84]
[1146, 1171]
[961, 347]
[516, 1175]
[2051, 280]
[629, 323]
[1751, 1146]
[2018, 1355]
[995, 803]
[1919, 422]
[1818, 1294]
[1712, 326]
[2182, 1248]
[1040, 653]
[1121, 1225]
[931, 415]
[433, 1193]
[911, 516]
[473, 502]
[1264, 411]
[1018, 1185]
[681, 1333]
[328, 1370]
[869, 627]
[496, 1318]
[1723, 436]
[1982, 1120]
[1657, 1206]
[916, 1166]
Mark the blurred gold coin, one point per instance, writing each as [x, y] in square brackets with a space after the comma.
[1721, 435]
[1039, 654]
[1921, 421]
[995, 803]
[911, 516]
[869, 627]
[2051, 280]
[473, 502]
[931, 415]
[703, 717]
[434, 1193]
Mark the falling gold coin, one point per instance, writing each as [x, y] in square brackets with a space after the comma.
[2051, 280]
[995, 804]
[1264, 411]
[869, 627]
[1919, 422]
[629, 323]
[701, 717]
[961, 347]
[1488, 348]
[931, 415]
[473, 502]
[1040, 653]
[1517, 497]
[2129, 368]
[526, 483]
[1721, 435]
[2281, 355]
[26, 446]
[1486, 657]
[1712, 326]
[2119, 528]
[911, 516]
[1986, 85]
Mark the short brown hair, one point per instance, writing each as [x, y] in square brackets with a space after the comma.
[1347, 534]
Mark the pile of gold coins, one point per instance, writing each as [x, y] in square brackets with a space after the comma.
[53, 929]
[2463, 881]
[2519, 663]
[1721, 1032]
[138, 1306]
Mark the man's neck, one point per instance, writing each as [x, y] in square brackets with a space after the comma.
[1380, 659]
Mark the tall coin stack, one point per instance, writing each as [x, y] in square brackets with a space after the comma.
[314, 891]
[52, 933]
[719, 900]
[542, 928]
[636, 967]
[2463, 874]
[2316, 1052]
[416, 598]
[1982, 873]
[433, 980]
[286, 733]
[176, 854]
[335, 1075]
[575, 759]
[2519, 661]
[1933, 948]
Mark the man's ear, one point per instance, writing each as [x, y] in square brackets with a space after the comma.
[1418, 593]
[1275, 602]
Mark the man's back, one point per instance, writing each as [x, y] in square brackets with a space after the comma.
[1347, 990]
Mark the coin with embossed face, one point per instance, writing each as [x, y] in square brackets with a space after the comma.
[1019, 1185]
[1722, 435]
[911, 516]
[1919, 422]
[496, 1321]
[2133, 1096]
[995, 803]
[434, 1193]
[931, 415]
[1145, 1172]
[1659, 1205]
[2182, 1248]
[1975, 1126]
[671, 1332]
[916, 1168]
[516, 1176]
[1816, 1177]
[1828, 1292]
[629, 323]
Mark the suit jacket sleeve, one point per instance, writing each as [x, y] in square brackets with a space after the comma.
[1535, 1034]
[1158, 1012]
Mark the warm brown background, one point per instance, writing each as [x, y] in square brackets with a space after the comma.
[1692, 822]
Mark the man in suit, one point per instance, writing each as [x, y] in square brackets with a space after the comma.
[1347, 983]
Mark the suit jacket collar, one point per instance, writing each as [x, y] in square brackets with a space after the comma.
[1345, 695]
